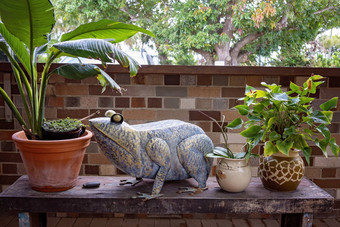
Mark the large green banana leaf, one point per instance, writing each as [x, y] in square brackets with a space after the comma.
[17, 47]
[28, 20]
[105, 29]
[81, 71]
[97, 49]
[87, 48]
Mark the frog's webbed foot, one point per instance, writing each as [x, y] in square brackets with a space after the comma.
[133, 181]
[145, 196]
[191, 190]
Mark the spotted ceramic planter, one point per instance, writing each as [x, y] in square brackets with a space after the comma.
[233, 175]
[280, 172]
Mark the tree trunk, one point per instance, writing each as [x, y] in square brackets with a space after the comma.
[209, 57]
[223, 53]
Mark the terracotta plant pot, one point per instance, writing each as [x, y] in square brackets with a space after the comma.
[233, 175]
[52, 165]
[280, 172]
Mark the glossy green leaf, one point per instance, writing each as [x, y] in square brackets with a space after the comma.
[106, 80]
[126, 61]
[29, 20]
[105, 29]
[240, 155]
[307, 152]
[281, 96]
[87, 48]
[211, 155]
[17, 46]
[284, 146]
[299, 142]
[289, 131]
[322, 117]
[260, 94]
[235, 124]
[272, 87]
[274, 136]
[242, 109]
[258, 107]
[13, 108]
[271, 121]
[295, 88]
[322, 144]
[334, 147]
[330, 104]
[324, 131]
[80, 71]
[317, 77]
[304, 100]
[252, 131]
[269, 149]
[222, 152]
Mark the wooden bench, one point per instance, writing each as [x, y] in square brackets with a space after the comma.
[296, 208]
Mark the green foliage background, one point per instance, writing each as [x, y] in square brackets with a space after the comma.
[234, 31]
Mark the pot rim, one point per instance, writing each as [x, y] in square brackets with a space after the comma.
[21, 137]
[292, 153]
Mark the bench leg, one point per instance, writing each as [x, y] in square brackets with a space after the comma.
[32, 220]
[303, 220]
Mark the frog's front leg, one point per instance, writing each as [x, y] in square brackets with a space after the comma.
[159, 152]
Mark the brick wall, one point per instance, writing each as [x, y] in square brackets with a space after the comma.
[165, 92]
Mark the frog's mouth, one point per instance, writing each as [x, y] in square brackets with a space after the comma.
[107, 132]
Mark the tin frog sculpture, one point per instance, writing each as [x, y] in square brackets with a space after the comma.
[163, 150]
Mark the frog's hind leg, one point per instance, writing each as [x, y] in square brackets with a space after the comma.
[191, 153]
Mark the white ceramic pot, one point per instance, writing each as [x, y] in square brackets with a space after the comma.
[233, 175]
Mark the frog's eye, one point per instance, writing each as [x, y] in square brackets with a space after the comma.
[117, 118]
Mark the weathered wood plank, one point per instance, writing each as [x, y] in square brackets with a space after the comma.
[80, 222]
[256, 223]
[239, 222]
[112, 198]
[53, 221]
[5, 219]
[98, 222]
[66, 222]
[115, 222]
[146, 222]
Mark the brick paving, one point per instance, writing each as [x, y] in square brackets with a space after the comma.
[12, 221]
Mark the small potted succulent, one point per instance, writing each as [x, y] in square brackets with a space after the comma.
[288, 123]
[66, 128]
[233, 172]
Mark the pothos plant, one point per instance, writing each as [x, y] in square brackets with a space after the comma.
[225, 151]
[26, 26]
[288, 120]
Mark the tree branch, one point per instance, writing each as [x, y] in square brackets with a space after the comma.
[244, 41]
[243, 56]
[325, 9]
[228, 27]
[132, 17]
